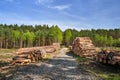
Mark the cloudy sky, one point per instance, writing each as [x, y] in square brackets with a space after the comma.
[78, 14]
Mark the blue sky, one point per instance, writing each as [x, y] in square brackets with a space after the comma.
[78, 14]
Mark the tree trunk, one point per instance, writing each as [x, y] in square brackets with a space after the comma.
[24, 44]
[1, 44]
[28, 43]
[21, 43]
[6, 46]
[39, 42]
[43, 41]
[14, 44]
[50, 42]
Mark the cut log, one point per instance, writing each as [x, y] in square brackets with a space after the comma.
[33, 54]
[83, 46]
[109, 57]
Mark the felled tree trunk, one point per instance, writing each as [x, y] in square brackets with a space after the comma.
[83, 46]
[108, 57]
[33, 54]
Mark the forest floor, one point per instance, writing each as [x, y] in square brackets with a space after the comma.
[61, 67]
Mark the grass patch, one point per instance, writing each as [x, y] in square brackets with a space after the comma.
[6, 56]
[113, 77]
[111, 48]
[49, 56]
[77, 57]
[7, 50]
[80, 59]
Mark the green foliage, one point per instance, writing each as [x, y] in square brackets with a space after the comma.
[12, 36]
[111, 41]
[56, 34]
[117, 42]
[30, 36]
[67, 36]
[15, 35]
[80, 59]
[2, 33]
[23, 36]
[59, 34]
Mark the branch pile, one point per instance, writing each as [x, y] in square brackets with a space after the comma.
[83, 46]
[33, 54]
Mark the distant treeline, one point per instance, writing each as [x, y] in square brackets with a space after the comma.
[14, 36]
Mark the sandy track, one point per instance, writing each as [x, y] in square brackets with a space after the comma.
[61, 67]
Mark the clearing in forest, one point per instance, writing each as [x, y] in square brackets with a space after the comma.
[61, 67]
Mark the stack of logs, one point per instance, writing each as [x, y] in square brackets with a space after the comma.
[108, 57]
[83, 46]
[33, 54]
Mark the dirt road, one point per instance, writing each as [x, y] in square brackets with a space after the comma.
[61, 67]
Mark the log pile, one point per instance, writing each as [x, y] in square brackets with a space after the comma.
[33, 54]
[108, 57]
[83, 46]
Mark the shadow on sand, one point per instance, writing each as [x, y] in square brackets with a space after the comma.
[59, 68]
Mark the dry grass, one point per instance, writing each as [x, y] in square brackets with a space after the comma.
[111, 48]
[6, 54]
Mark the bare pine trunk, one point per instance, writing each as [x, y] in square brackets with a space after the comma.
[43, 41]
[14, 44]
[1, 44]
[39, 42]
[6, 44]
[21, 43]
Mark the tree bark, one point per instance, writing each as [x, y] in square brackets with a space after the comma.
[1, 44]
[21, 43]
[14, 44]
[6, 43]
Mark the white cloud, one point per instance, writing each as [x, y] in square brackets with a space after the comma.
[74, 16]
[60, 7]
[48, 4]
[43, 1]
